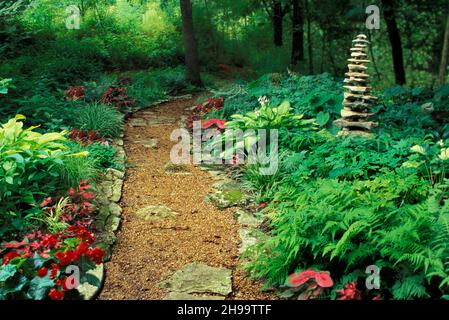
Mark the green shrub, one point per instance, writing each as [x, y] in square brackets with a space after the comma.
[73, 169]
[99, 117]
[100, 156]
[29, 163]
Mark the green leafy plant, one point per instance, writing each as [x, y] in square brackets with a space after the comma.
[267, 117]
[28, 171]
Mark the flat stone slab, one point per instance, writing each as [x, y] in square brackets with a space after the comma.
[89, 291]
[138, 122]
[225, 184]
[151, 143]
[152, 213]
[186, 296]
[172, 168]
[248, 239]
[199, 278]
[247, 219]
[227, 198]
[160, 121]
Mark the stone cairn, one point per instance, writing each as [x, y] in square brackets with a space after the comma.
[357, 97]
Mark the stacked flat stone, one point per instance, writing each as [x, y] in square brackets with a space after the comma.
[357, 97]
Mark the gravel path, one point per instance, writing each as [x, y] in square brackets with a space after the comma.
[150, 251]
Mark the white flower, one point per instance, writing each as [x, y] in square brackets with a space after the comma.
[441, 143]
[418, 149]
[264, 101]
[444, 154]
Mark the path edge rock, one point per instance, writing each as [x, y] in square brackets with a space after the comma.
[109, 194]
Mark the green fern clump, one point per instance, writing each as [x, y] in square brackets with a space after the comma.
[345, 226]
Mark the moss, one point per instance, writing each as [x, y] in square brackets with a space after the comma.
[233, 196]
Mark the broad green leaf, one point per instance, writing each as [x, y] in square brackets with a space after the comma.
[39, 288]
[284, 108]
[322, 118]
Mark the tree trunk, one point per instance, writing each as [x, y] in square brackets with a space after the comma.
[395, 40]
[278, 23]
[444, 56]
[309, 37]
[297, 33]
[191, 53]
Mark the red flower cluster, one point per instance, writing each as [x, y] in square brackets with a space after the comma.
[54, 247]
[201, 110]
[71, 256]
[82, 234]
[75, 93]
[205, 124]
[350, 292]
[78, 210]
[33, 242]
[117, 96]
[55, 294]
[311, 281]
[9, 256]
[85, 137]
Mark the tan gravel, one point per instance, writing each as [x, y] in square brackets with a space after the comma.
[148, 252]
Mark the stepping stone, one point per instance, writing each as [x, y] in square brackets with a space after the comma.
[172, 168]
[186, 296]
[199, 278]
[248, 238]
[160, 121]
[138, 122]
[149, 113]
[154, 213]
[225, 184]
[247, 219]
[151, 143]
[227, 198]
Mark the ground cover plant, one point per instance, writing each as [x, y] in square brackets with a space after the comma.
[343, 216]
[344, 204]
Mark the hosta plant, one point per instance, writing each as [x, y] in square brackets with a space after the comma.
[267, 117]
[431, 159]
[28, 162]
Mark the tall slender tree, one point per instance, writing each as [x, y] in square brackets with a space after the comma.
[190, 45]
[444, 56]
[395, 40]
[276, 11]
[309, 36]
[297, 32]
